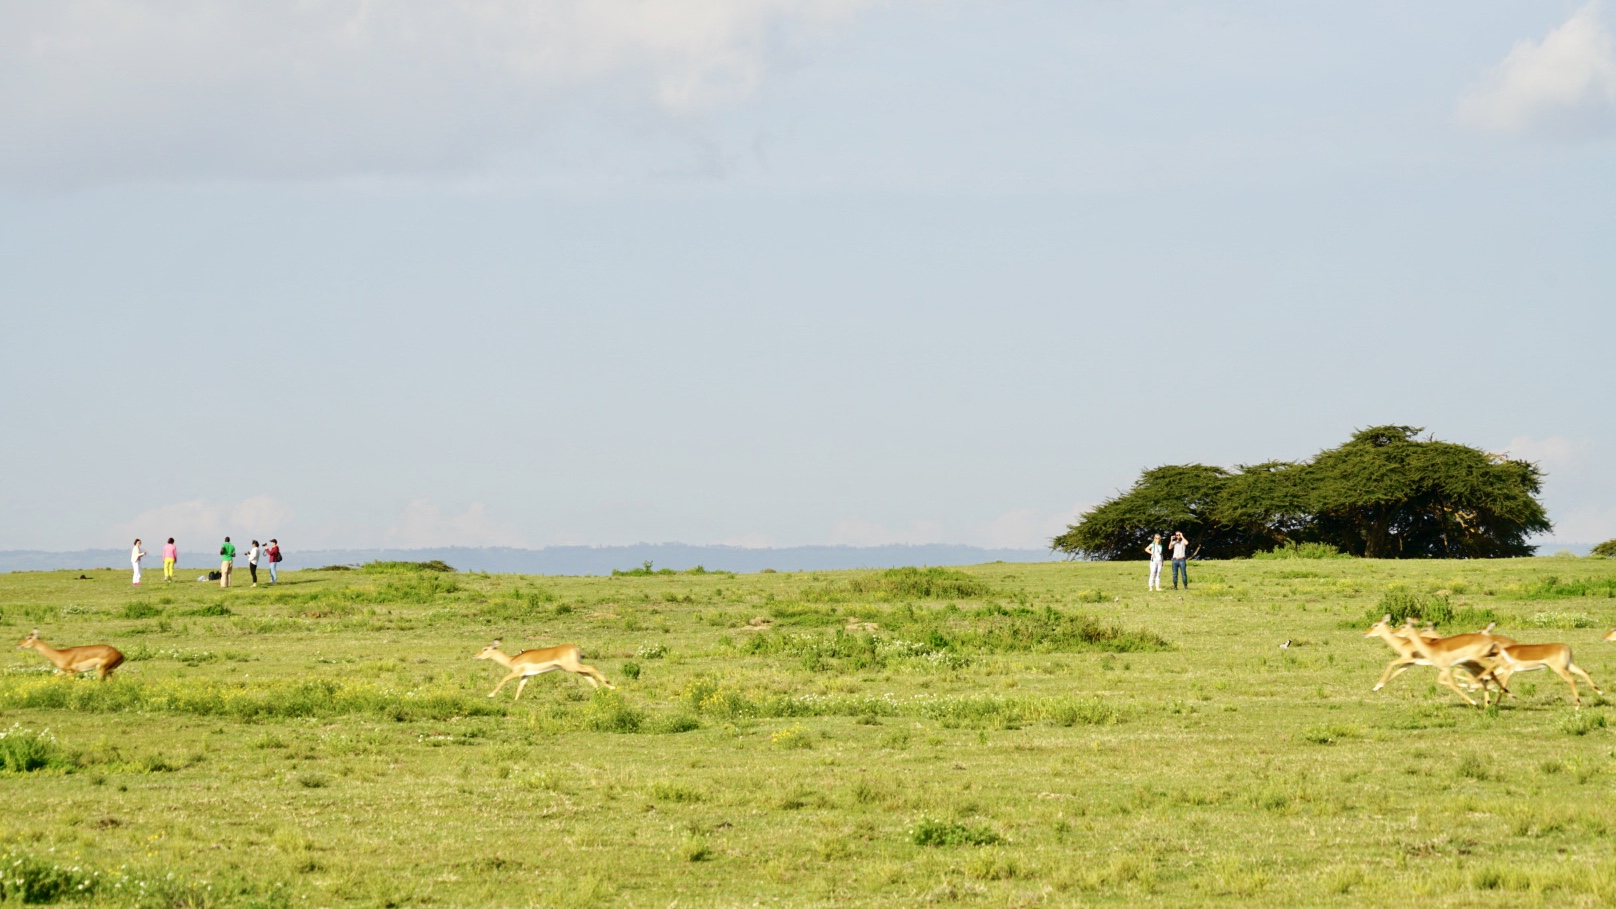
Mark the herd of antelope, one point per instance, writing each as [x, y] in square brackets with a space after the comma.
[1487, 660]
[101, 659]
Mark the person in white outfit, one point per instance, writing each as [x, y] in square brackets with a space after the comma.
[1155, 550]
[135, 555]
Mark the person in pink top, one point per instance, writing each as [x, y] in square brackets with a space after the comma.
[171, 555]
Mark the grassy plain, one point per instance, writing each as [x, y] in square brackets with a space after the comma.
[973, 740]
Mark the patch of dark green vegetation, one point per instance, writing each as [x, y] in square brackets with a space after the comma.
[1433, 608]
[381, 567]
[930, 832]
[27, 751]
[905, 584]
[948, 637]
[1552, 588]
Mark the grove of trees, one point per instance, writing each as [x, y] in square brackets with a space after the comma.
[1385, 493]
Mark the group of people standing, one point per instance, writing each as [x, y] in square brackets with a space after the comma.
[1181, 565]
[270, 553]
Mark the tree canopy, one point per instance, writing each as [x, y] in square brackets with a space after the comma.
[1385, 493]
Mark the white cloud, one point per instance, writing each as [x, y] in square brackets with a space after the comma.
[1027, 528]
[1564, 84]
[95, 91]
[200, 524]
[1554, 453]
[1588, 524]
[424, 524]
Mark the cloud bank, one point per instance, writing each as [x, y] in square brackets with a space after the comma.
[1564, 85]
[92, 91]
[199, 525]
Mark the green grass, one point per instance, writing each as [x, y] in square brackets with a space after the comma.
[1001, 735]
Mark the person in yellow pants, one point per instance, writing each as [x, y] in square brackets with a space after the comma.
[171, 555]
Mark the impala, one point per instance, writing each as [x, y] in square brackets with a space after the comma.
[529, 663]
[1402, 639]
[1611, 635]
[1515, 658]
[1461, 651]
[73, 660]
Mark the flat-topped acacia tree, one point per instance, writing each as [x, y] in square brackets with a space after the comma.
[1385, 493]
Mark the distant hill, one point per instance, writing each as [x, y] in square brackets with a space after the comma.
[572, 560]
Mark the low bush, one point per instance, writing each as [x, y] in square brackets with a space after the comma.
[646, 570]
[26, 751]
[929, 832]
[905, 584]
[1436, 609]
[384, 567]
[1303, 551]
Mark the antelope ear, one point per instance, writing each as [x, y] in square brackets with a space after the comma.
[1386, 618]
[495, 644]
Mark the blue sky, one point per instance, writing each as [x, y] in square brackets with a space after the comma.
[779, 272]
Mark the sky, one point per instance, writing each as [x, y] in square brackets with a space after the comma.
[363, 273]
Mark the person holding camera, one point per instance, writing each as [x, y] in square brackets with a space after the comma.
[274, 554]
[1181, 564]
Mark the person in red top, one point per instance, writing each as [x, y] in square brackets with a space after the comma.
[171, 555]
[274, 553]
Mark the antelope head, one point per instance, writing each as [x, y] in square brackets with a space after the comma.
[27, 642]
[487, 653]
[1384, 626]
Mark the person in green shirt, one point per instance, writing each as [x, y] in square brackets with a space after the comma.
[227, 561]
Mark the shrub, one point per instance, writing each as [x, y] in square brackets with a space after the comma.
[1402, 605]
[385, 567]
[929, 832]
[1606, 550]
[631, 670]
[1303, 551]
[646, 570]
[607, 712]
[26, 751]
[138, 610]
[906, 584]
[26, 879]
[793, 736]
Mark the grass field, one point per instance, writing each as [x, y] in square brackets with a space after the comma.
[1002, 735]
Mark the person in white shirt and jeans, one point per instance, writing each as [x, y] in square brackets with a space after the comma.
[1180, 559]
[1155, 551]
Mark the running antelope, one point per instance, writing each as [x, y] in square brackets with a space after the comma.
[73, 660]
[1401, 640]
[529, 663]
[1515, 658]
[1450, 653]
